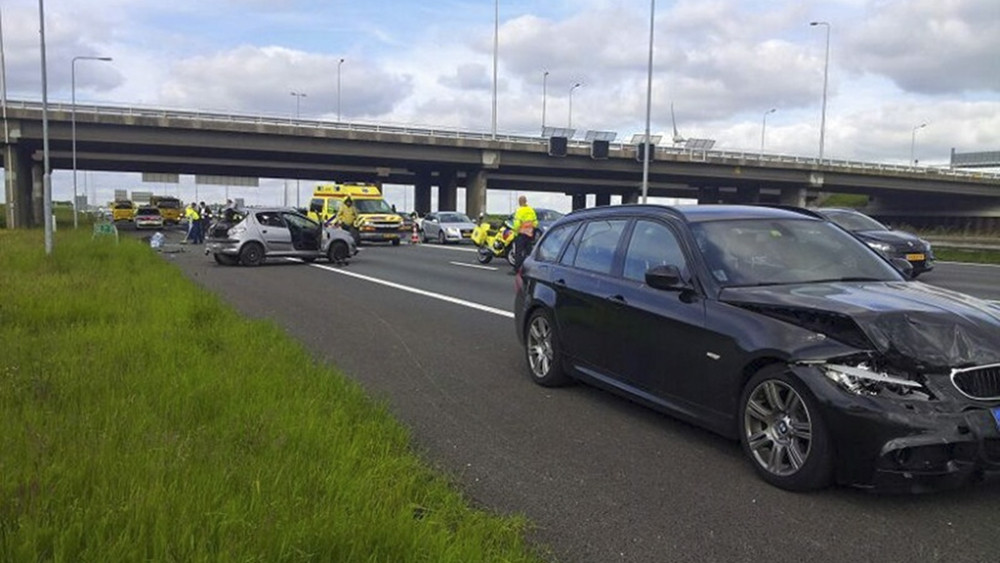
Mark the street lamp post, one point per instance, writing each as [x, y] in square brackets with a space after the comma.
[339, 63]
[569, 122]
[46, 175]
[826, 73]
[298, 99]
[76, 212]
[763, 127]
[913, 143]
[496, 48]
[545, 92]
[649, 104]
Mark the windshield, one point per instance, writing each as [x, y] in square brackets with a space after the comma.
[148, 211]
[372, 206]
[855, 221]
[123, 206]
[548, 215]
[785, 251]
[454, 218]
[169, 204]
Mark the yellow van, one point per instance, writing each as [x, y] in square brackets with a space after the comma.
[377, 220]
[122, 210]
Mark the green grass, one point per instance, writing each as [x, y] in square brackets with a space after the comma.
[142, 419]
[967, 255]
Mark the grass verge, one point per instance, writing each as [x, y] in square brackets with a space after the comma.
[978, 256]
[144, 420]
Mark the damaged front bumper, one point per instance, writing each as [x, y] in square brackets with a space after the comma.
[907, 445]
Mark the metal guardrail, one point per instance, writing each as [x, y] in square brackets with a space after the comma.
[694, 155]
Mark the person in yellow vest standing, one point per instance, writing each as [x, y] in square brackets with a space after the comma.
[194, 224]
[525, 223]
[346, 217]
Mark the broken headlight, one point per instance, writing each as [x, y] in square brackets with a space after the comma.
[862, 380]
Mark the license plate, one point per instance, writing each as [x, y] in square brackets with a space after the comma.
[914, 257]
[996, 416]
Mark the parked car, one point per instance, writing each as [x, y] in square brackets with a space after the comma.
[262, 233]
[774, 327]
[447, 226]
[889, 242]
[148, 217]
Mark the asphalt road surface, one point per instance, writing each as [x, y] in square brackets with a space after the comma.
[423, 329]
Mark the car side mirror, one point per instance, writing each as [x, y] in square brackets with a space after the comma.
[904, 267]
[667, 277]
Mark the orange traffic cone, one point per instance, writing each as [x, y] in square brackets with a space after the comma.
[415, 237]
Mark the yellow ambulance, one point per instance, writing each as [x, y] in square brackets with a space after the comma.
[377, 220]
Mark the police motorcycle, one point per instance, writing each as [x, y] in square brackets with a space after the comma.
[494, 242]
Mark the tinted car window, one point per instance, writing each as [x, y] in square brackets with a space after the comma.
[595, 245]
[300, 221]
[270, 219]
[855, 221]
[781, 251]
[652, 244]
[548, 249]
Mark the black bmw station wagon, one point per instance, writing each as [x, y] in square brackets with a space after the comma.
[774, 327]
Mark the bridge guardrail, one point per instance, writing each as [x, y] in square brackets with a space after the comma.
[701, 155]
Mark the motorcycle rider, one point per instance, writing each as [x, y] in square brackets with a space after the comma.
[525, 223]
[346, 216]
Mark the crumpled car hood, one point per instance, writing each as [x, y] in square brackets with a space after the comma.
[916, 326]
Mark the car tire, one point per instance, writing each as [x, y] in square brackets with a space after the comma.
[225, 260]
[252, 254]
[541, 347]
[783, 433]
[337, 253]
[441, 237]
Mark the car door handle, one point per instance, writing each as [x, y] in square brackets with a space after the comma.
[617, 299]
[560, 282]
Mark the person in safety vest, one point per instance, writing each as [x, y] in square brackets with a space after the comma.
[525, 223]
[194, 220]
[346, 216]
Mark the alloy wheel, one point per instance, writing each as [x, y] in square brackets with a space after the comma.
[540, 350]
[778, 428]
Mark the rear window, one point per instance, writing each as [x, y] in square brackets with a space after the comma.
[123, 206]
[148, 211]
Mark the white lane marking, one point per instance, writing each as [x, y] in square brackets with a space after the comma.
[464, 265]
[450, 247]
[394, 285]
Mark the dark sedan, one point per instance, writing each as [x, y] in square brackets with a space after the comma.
[889, 242]
[774, 327]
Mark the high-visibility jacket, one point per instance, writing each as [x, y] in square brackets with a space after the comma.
[347, 215]
[525, 220]
[192, 214]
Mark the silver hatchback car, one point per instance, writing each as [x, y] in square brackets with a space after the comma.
[252, 235]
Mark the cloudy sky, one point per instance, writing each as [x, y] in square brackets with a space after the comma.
[894, 64]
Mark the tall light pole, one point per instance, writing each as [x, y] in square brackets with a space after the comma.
[298, 99]
[76, 212]
[545, 93]
[649, 103]
[569, 122]
[913, 143]
[763, 127]
[46, 175]
[496, 48]
[339, 63]
[826, 74]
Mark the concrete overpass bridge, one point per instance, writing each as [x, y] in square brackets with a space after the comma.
[127, 139]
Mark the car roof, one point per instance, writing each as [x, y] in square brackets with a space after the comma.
[701, 213]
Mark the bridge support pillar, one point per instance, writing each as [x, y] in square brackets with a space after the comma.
[37, 194]
[18, 187]
[448, 191]
[579, 201]
[475, 194]
[422, 193]
[793, 196]
[708, 194]
[631, 196]
[602, 198]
